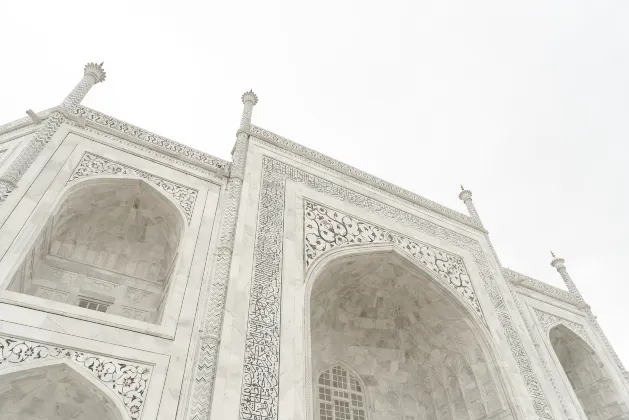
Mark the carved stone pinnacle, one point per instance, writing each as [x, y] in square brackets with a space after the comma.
[250, 96]
[465, 194]
[95, 70]
[558, 262]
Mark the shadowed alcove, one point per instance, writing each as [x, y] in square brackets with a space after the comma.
[388, 342]
[590, 381]
[110, 246]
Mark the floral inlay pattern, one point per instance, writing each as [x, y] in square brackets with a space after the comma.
[129, 381]
[326, 228]
[92, 164]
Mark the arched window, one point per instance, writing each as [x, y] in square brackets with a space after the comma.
[341, 396]
[110, 246]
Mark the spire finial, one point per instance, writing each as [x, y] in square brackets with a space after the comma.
[250, 96]
[462, 189]
[552, 253]
[95, 70]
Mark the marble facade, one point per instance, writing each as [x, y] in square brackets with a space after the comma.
[142, 279]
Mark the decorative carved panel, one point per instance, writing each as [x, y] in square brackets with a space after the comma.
[547, 321]
[326, 228]
[92, 164]
[128, 380]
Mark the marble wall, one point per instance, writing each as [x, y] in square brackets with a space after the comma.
[98, 216]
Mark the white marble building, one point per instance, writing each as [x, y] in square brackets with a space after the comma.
[143, 279]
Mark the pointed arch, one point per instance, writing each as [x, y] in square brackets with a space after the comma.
[89, 248]
[350, 254]
[589, 379]
[341, 393]
[62, 371]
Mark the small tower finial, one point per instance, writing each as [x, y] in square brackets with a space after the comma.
[250, 96]
[96, 71]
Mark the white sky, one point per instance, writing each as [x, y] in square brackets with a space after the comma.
[524, 103]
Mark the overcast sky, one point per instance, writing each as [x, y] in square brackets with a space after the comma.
[524, 103]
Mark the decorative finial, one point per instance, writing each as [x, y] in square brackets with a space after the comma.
[95, 70]
[250, 96]
[551, 253]
[462, 189]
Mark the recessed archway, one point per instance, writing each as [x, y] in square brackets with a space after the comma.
[416, 347]
[110, 245]
[54, 392]
[587, 375]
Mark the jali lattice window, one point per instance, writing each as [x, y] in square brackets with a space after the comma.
[341, 397]
[94, 305]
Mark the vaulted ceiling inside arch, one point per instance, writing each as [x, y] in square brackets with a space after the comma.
[401, 333]
[115, 225]
[53, 393]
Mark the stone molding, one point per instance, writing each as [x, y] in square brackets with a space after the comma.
[330, 163]
[260, 385]
[92, 164]
[128, 380]
[24, 122]
[326, 228]
[547, 321]
[153, 140]
[522, 280]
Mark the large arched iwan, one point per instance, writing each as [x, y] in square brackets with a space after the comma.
[403, 332]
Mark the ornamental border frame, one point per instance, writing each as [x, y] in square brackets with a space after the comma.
[259, 399]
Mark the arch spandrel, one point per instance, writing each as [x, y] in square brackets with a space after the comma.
[123, 383]
[326, 229]
[549, 321]
[94, 166]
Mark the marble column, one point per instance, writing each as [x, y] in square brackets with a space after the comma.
[204, 375]
[92, 74]
[560, 266]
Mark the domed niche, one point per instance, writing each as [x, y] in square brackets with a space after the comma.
[590, 381]
[408, 343]
[54, 392]
[110, 246]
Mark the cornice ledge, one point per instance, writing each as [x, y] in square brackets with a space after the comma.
[523, 280]
[112, 125]
[331, 163]
[24, 122]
